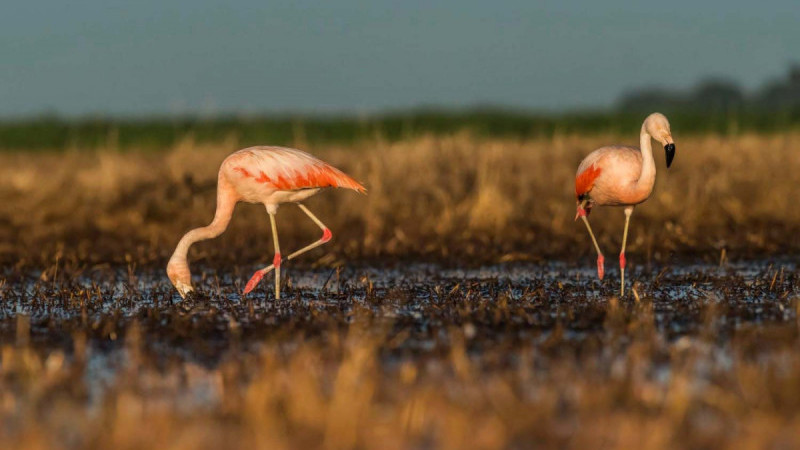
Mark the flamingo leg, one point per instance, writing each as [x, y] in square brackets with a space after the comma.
[256, 278]
[628, 212]
[326, 234]
[276, 261]
[600, 258]
[276, 264]
[259, 274]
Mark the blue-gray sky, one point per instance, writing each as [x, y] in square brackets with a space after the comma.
[204, 56]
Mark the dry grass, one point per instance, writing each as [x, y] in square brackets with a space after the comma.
[452, 198]
[466, 364]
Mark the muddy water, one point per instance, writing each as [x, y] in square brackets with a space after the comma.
[553, 309]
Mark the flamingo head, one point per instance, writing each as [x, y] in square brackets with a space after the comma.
[180, 277]
[657, 126]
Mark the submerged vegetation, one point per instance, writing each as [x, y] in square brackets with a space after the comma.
[508, 356]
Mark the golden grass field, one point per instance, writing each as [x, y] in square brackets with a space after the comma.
[691, 358]
[450, 198]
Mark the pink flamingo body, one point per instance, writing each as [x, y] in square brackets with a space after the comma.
[270, 176]
[621, 176]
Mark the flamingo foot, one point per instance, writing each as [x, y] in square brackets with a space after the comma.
[253, 281]
[580, 213]
[601, 266]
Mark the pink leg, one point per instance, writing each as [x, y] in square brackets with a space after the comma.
[326, 234]
[601, 270]
[259, 274]
[580, 212]
[600, 259]
[276, 263]
[254, 280]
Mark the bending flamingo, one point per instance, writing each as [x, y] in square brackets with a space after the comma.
[270, 176]
[621, 176]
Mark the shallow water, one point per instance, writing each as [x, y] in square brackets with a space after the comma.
[552, 309]
[760, 286]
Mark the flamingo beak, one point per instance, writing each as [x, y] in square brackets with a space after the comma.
[669, 149]
[183, 288]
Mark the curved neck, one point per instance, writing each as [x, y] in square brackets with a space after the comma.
[178, 267]
[648, 176]
[182, 250]
[179, 256]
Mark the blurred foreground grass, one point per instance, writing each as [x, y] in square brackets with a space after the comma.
[473, 365]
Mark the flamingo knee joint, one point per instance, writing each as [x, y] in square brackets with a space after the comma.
[326, 235]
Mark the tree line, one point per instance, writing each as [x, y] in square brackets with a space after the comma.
[719, 95]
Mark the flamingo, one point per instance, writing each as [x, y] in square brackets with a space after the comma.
[621, 176]
[270, 176]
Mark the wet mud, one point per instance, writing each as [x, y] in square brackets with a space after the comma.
[555, 308]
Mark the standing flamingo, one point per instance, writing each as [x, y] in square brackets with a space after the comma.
[270, 176]
[621, 176]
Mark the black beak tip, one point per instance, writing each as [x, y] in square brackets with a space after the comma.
[669, 149]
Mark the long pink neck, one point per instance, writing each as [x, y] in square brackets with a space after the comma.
[178, 259]
[644, 185]
[226, 201]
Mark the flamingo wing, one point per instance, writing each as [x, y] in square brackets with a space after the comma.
[584, 181]
[291, 169]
